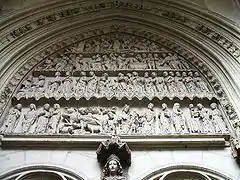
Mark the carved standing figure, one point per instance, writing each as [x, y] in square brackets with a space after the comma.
[201, 85]
[67, 85]
[148, 85]
[217, 120]
[179, 119]
[181, 88]
[165, 120]
[204, 119]
[54, 85]
[43, 118]
[92, 84]
[81, 84]
[188, 80]
[12, 119]
[124, 120]
[193, 122]
[41, 86]
[103, 83]
[53, 123]
[170, 82]
[149, 117]
[137, 84]
[27, 88]
[29, 119]
[113, 169]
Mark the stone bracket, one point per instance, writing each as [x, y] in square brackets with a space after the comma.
[91, 141]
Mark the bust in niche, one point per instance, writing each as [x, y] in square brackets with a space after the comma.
[113, 169]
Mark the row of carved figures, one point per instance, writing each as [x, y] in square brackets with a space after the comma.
[171, 84]
[56, 120]
[113, 61]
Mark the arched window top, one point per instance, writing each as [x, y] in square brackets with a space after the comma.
[40, 176]
[41, 172]
[185, 172]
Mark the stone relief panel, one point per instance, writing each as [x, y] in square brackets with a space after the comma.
[115, 117]
[112, 84]
[109, 69]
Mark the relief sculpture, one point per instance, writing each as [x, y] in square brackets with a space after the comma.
[88, 84]
[152, 120]
[115, 67]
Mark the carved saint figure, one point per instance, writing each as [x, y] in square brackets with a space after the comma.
[54, 85]
[113, 169]
[165, 120]
[12, 119]
[137, 84]
[53, 123]
[29, 119]
[148, 85]
[92, 84]
[124, 119]
[179, 119]
[189, 83]
[204, 119]
[40, 86]
[170, 82]
[201, 85]
[217, 120]
[67, 85]
[81, 84]
[193, 122]
[27, 88]
[102, 88]
[181, 88]
[43, 118]
[149, 120]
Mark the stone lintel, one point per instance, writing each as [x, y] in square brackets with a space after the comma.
[92, 142]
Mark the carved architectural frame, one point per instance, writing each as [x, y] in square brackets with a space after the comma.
[207, 41]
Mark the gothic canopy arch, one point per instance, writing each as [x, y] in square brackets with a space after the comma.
[165, 33]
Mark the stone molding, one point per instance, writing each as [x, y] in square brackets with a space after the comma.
[135, 142]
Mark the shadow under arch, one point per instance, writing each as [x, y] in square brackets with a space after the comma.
[176, 172]
[53, 172]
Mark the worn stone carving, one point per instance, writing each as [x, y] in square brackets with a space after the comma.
[126, 120]
[113, 169]
[169, 84]
[12, 120]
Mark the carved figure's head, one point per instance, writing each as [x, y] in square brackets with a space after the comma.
[164, 106]
[32, 106]
[113, 166]
[213, 106]
[199, 106]
[19, 106]
[190, 106]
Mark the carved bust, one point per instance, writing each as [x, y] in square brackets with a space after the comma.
[113, 169]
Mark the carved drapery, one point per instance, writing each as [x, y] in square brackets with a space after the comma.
[182, 54]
